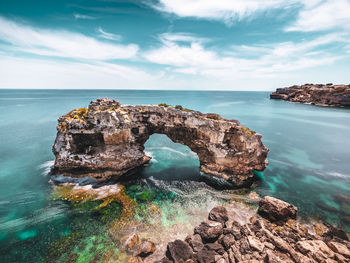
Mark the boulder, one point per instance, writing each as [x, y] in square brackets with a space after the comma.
[209, 230]
[179, 251]
[277, 210]
[218, 214]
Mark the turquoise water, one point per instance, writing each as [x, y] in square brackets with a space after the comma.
[309, 163]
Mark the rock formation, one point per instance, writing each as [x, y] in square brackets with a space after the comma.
[107, 139]
[317, 94]
[226, 241]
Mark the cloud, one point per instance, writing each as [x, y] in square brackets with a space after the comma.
[181, 37]
[81, 16]
[312, 14]
[222, 10]
[60, 43]
[109, 36]
[246, 61]
[326, 15]
[47, 74]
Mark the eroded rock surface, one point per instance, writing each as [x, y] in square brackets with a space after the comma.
[277, 210]
[262, 240]
[318, 94]
[107, 139]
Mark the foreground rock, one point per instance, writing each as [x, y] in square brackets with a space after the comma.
[317, 94]
[261, 240]
[107, 139]
[277, 210]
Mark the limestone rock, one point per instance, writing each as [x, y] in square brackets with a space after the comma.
[275, 209]
[339, 248]
[317, 94]
[107, 140]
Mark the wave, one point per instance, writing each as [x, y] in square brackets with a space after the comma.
[165, 148]
[339, 175]
[46, 166]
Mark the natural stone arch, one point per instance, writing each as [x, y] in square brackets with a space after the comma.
[107, 139]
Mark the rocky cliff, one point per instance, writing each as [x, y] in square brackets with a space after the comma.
[317, 94]
[107, 139]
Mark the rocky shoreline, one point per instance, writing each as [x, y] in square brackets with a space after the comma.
[106, 140]
[272, 235]
[316, 94]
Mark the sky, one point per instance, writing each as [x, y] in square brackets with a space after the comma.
[257, 45]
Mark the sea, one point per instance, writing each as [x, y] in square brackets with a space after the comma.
[309, 166]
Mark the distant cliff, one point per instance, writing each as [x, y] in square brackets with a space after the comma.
[316, 94]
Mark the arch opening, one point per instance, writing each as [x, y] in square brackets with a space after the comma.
[170, 160]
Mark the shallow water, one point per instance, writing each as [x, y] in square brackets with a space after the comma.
[309, 163]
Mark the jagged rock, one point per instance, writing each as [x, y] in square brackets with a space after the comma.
[146, 248]
[209, 230]
[195, 241]
[316, 249]
[255, 243]
[179, 251]
[206, 255]
[318, 94]
[227, 240]
[218, 214]
[219, 249]
[339, 248]
[335, 232]
[275, 209]
[261, 240]
[107, 139]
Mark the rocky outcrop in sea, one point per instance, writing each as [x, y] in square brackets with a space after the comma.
[316, 94]
[273, 235]
[107, 139]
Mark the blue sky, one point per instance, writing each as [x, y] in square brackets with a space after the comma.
[173, 44]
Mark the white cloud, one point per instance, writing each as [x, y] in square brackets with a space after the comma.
[182, 37]
[326, 15]
[109, 36]
[81, 16]
[61, 43]
[223, 10]
[262, 61]
[46, 74]
[313, 14]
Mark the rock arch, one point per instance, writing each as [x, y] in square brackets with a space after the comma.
[107, 139]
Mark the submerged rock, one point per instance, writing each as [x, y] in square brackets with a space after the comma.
[146, 248]
[107, 140]
[317, 94]
[276, 210]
